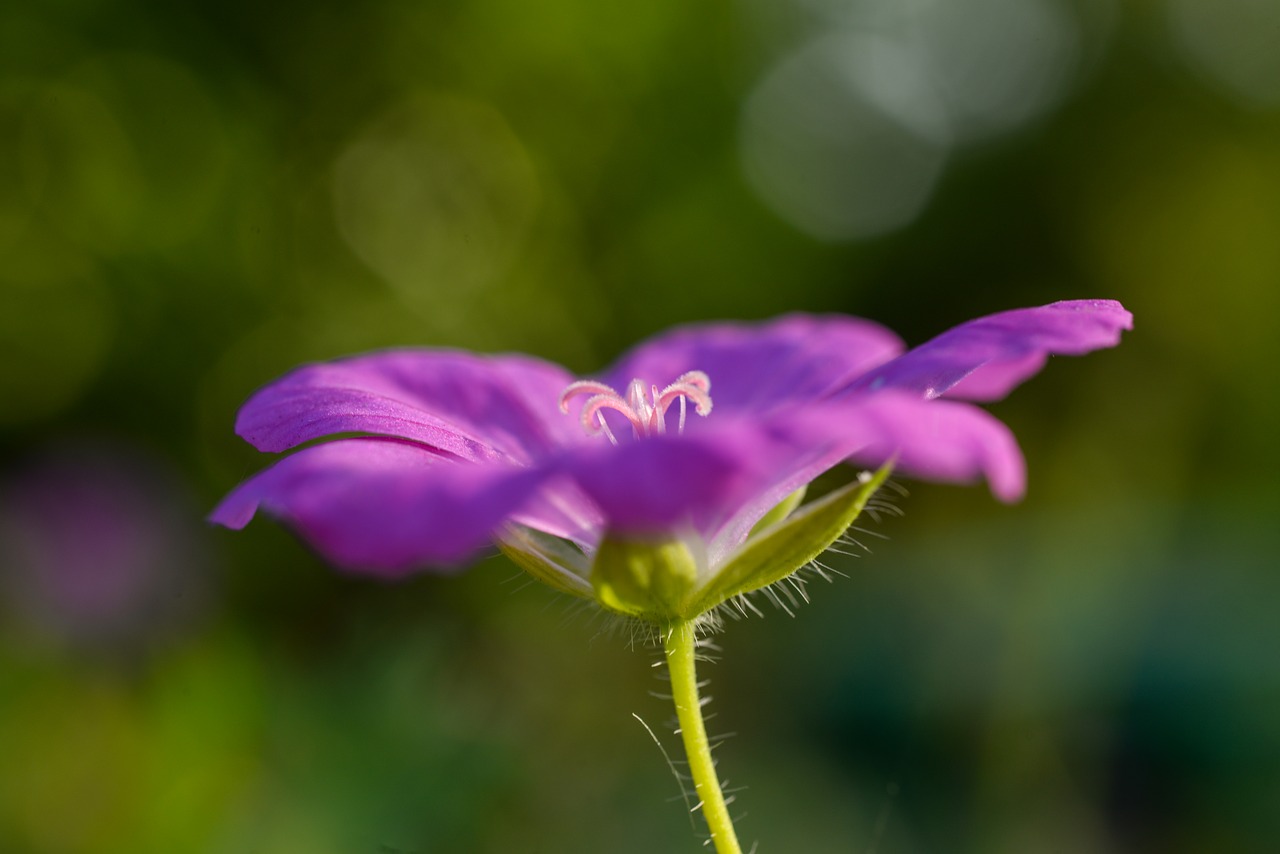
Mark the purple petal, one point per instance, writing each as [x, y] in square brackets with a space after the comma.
[383, 505]
[987, 358]
[720, 480]
[811, 458]
[675, 484]
[561, 509]
[932, 440]
[758, 368]
[929, 439]
[475, 407]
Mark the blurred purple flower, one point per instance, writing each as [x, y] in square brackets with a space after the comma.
[90, 536]
[457, 446]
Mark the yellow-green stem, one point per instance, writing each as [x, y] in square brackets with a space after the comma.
[680, 641]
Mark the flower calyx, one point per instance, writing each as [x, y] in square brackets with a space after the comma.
[647, 579]
[661, 580]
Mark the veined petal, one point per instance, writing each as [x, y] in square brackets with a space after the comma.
[759, 368]
[384, 506]
[474, 407]
[986, 358]
[929, 439]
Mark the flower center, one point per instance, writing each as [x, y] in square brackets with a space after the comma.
[647, 414]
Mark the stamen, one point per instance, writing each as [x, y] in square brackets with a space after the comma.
[661, 422]
[606, 400]
[645, 412]
[604, 426]
[582, 387]
[695, 378]
[694, 386]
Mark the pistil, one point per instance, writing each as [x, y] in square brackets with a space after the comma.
[646, 413]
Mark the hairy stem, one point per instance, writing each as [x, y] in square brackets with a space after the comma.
[680, 643]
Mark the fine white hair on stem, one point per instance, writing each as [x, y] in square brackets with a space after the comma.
[675, 772]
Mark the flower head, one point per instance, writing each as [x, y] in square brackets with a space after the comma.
[675, 454]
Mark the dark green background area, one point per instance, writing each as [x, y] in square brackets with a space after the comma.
[196, 197]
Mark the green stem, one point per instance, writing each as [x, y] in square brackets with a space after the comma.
[680, 641]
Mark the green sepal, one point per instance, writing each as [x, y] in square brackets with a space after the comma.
[549, 559]
[780, 550]
[780, 511]
[643, 578]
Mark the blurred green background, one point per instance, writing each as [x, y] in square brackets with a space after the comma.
[196, 197]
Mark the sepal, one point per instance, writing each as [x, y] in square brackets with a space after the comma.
[786, 546]
[780, 511]
[549, 559]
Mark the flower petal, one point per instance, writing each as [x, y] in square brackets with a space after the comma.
[561, 509]
[986, 358]
[758, 368]
[474, 407]
[674, 484]
[384, 506]
[810, 456]
[932, 440]
[929, 439]
[719, 481]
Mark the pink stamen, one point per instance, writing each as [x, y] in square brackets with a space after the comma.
[645, 412]
[695, 378]
[592, 408]
[604, 427]
[582, 387]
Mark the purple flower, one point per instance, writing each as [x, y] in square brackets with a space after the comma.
[693, 436]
